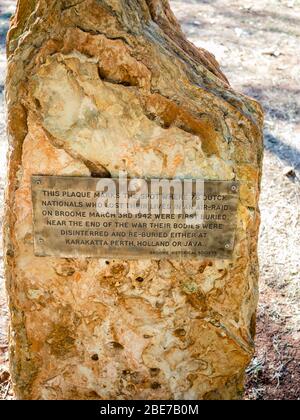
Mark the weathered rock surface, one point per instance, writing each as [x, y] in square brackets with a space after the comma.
[95, 87]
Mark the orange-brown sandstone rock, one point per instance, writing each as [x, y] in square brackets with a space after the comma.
[95, 87]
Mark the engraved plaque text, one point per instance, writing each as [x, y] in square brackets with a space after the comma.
[67, 224]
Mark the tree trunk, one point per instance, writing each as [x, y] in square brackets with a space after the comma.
[95, 87]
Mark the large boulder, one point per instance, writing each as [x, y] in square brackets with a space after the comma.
[95, 87]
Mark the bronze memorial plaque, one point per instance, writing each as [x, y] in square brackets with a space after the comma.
[68, 222]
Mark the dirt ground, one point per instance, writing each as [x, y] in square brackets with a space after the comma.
[257, 43]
